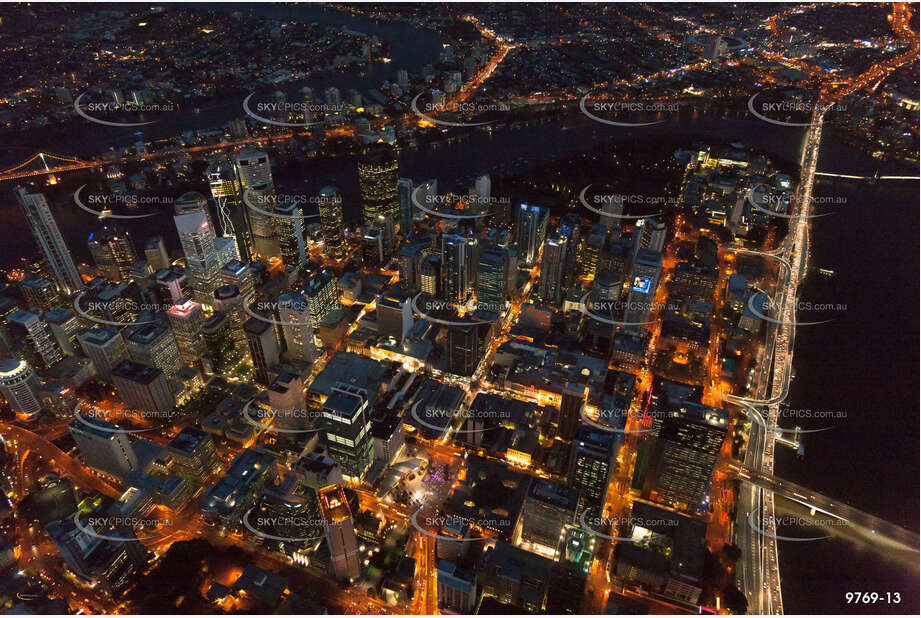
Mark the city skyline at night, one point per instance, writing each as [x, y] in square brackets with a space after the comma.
[459, 308]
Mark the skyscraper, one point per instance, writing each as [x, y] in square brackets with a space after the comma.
[410, 264]
[289, 232]
[571, 402]
[322, 295]
[258, 192]
[154, 345]
[19, 388]
[492, 280]
[113, 251]
[253, 168]
[233, 215]
[553, 261]
[340, 533]
[463, 349]
[143, 388]
[186, 320]
[649, 234]
[106, 348]
[34, 339]
[430, 275]
[685, 455]
[297, 327]
[591, 463]
[49, 239]
[531, 230]
[571, 228]
[39, 293]
[613, 209]
[647, 268]
[64, 327]
[104, 447]
[229, 301]
[372, 247]
[405, 191]
[222, 352]
[155, 252]
[347, 429]
[454, 268]
[263, 347]
[197, 239]
[330, 204]
[377, 180]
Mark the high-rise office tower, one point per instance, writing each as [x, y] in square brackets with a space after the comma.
[194, 454]
[332, 97]
[591, 463]
[222, 352]
[394, 314]
[492, 281]
[34, 339]
[387, 226]
[197, 238]
[553, 261]
[253, 168]
[226, 249]
[330, 205]
[113, 251]
[49, 239]
[347, 429]
[483, 189]
[322, 295]
[241, 275]
[258, 189]
[685, 454]
[263, 347]
[186, 320]
[103, 447]
[155, 252]
[405, 193]
[191, 202]
[571, 228]
[233, 215]
[19, 387]
[143, 387]
[377, 180]
[571, 402]
[153, 344]
[594, 244]
[173, 284]
[463, 349]
[430, 275]
[372, 248]
[424, 195]
[454, 269]
[261, 201]
[647, 268]
[106, 348]
[65, 327]
[297, 328]
[649, 234]
[110, 561]
[410, 264]
[614, 210]
[289, 232]
[39, 293]
[345, 563]
[607, 286]
[229, 301]
[531, 231]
